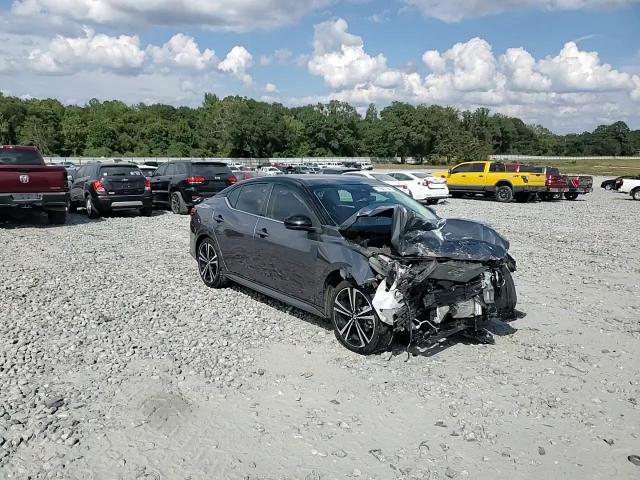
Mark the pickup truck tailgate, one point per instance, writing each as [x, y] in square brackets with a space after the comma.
[32, 179]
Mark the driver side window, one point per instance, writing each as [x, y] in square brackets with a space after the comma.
[286, 202]
[465, 167]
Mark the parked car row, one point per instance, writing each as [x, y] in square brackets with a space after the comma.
[512, 181]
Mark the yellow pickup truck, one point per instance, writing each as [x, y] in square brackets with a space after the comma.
[497, 179]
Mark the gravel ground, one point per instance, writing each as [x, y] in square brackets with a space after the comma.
[117, 363]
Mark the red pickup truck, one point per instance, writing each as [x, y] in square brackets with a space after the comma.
[27, 183]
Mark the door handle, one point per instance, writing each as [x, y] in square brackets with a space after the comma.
[480, 176]
[263, 233]
[219, 219]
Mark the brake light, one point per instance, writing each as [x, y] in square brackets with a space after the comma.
[195, 180]
[233, 179]
[404, 187]
[426, 183]
[98, 186]
[147, 184]
[193, 211]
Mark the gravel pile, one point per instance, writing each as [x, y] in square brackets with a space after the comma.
[116, 362]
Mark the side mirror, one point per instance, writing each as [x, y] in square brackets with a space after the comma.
[298, 222]
[449, 171]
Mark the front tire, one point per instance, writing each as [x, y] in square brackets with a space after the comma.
[608, 186]
[210, 264]
[178, 206]
[355, 322]
[433, 201]
[636, 194]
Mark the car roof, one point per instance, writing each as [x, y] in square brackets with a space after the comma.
[314, 180]
[110, 164]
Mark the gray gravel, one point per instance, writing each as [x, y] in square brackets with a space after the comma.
[116, 362]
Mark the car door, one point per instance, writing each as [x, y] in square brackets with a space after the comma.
[160, 184]
[76, 185]
[235, 227]
[462, 177]
[287, 260]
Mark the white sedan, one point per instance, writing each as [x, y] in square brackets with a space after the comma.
[423, 186]
[271, 171]
[382, 177]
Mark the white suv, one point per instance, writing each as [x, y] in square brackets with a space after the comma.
[423, 186]
[631, 186]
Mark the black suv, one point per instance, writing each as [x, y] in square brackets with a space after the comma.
[181, 184]
[105, 187]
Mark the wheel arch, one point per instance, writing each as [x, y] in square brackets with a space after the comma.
[504, 183]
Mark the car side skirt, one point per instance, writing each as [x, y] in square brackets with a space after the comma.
[294, 302]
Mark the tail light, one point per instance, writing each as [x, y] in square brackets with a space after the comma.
[404, 187]
[147, 184]
[195, 180]
[193, 211]
[98, 186]
[426, 183]
[233, 179]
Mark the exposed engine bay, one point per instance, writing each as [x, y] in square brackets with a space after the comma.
[435, 279]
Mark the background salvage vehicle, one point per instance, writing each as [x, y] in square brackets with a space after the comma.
[493, 179]
[103, 188]
[384, 178]
[358, 252]
[181, 184]
[423, 186]
[26, 182]
[630, 186]
[578, 185]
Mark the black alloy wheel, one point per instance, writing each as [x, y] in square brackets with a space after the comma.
[209, 264]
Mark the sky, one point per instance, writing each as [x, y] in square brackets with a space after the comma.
[569, 65]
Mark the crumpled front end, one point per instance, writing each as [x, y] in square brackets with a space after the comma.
[434, 279]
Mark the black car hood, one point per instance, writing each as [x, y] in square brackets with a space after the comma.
[456, 239]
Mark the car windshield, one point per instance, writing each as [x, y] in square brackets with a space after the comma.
[19, 157]
[119, 171]
[383, 177]
[342, 201]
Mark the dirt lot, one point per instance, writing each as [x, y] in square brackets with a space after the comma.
[117, 363]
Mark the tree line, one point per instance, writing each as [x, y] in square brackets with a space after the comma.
[242, 127]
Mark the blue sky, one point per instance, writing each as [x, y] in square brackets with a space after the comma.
[567, 64]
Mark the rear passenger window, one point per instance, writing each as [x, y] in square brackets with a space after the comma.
[253, 198]
[497, 167]
[232, 197]
[181, 168]
[286, 202]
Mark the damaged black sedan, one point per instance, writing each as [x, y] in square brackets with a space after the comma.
[360, 253]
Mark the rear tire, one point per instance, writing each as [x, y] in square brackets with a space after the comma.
[355, 322]
[146, 211]
[608, 186]
[92, 212]
[210, 264]
[73, 208]
[433, 201]
[570, 195]
[177, 204]
[504, 194]
[636, 194]
[57, 218]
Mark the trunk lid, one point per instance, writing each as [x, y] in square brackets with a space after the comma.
[32, 179]
[211, 177]
[122, 179]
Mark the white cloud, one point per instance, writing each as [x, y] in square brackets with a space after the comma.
[237, 62]
[551, 90]
[339, 56]
[182, 51]
[270, 88]
[63, 55]
[456, 10]
[229, 15]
